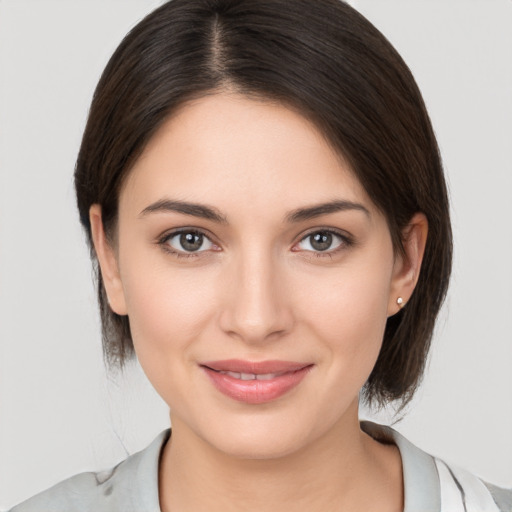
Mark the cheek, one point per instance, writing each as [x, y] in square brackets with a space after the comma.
[168, 309]
[348, 314]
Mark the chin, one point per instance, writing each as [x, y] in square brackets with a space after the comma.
[260, 445]
[256, 436]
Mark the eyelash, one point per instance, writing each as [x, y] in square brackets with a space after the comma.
[346, 242]
[164, 242]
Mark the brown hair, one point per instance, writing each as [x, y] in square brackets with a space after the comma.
[329, 63]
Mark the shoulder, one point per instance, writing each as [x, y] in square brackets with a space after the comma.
[502, 497]
[459, 485]
[432, 484]
[79, 493]
[131, 485]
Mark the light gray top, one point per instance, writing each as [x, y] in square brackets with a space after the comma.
[132, 486]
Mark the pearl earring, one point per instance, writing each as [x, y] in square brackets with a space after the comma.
[400, 302]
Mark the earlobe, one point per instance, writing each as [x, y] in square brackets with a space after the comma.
[407, 266]
[107, 261]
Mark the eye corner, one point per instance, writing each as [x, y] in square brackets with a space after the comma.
[173, 242]
[342, 241]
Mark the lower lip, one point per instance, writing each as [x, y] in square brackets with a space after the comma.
[256, 391]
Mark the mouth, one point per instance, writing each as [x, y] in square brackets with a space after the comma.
[255, 382]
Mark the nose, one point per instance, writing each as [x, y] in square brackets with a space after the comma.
[257, 308]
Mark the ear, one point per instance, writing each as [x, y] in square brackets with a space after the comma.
[407, 267]
[108, 262]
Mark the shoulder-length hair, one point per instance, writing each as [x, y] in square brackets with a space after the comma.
[326, 61]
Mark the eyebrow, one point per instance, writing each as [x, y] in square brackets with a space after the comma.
[311, 212]
[194, 209]
[210, 213]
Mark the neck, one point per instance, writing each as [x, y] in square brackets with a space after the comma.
[342, 470]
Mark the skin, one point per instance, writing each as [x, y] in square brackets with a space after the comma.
[257, 290]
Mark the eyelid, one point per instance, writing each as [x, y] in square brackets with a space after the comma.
[163, 241]
[347, 240]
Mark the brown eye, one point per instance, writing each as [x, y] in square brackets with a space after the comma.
[189, 241]
[321, 241]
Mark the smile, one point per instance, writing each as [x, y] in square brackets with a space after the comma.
[251, 376]
[255, 383]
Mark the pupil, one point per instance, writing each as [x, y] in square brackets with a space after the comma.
[321, 241]
[191, 241]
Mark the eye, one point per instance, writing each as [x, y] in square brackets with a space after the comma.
[322, 241]
[188, 241]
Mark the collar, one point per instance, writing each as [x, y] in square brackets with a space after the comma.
[136, 479]
[421, 480]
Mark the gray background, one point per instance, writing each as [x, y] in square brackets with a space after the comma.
[60, 413]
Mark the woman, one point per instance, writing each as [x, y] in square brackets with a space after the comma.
[263, 195]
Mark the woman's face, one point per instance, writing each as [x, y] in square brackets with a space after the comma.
[243, 238]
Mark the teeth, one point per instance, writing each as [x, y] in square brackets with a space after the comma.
[267, 376]
[251, 376]
[232, 374]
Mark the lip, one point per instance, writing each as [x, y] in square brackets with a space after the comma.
[286, 376]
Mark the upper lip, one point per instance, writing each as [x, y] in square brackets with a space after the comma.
[255, 367]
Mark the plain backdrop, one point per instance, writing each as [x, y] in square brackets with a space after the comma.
[61, 413]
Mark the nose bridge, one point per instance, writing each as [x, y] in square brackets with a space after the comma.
[257, 306]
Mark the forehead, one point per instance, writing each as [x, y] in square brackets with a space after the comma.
[229, 149]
